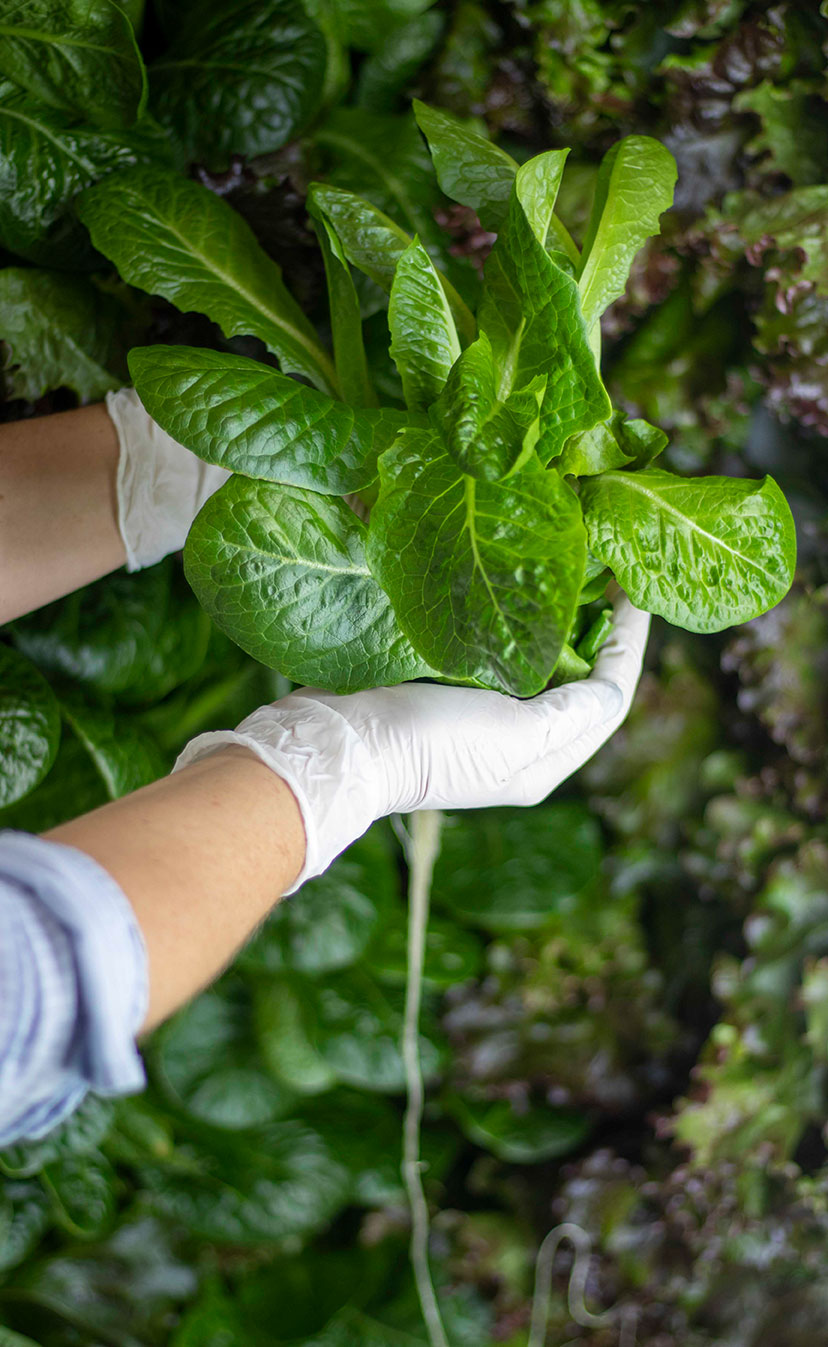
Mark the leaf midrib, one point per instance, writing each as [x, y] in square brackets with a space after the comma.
[629, 481]
[42, 130]
[315, 351]
[469, 495]
[61, 40]
[300, 561]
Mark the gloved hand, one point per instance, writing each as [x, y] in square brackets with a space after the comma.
[161, 485]
[355, 758]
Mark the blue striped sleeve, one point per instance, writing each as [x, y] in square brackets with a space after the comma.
[73, 985]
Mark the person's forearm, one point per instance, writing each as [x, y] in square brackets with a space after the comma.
[58, 509]
[202, 856]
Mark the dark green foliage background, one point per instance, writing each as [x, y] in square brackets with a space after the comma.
[626, 1017]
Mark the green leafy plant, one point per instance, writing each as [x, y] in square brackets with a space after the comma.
[503, 487]
[567, 967]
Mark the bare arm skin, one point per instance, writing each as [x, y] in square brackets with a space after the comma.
[202, 856]
[58, 509]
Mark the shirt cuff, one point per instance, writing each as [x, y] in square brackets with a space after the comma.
[102, 990]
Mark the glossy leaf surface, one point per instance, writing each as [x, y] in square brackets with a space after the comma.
[634, 187]
[373, 243]
[123, 752]
[487, 438]
[29, 726]
[283, 573]
[483, 576]
[257, 422]
[531, 315]
[470, 169]
[346, 320]
[535, 863]
[244, 81]
[520, 1136]
[80, 55]
[131, 637]
[257, 1186]
[424, 342]
[46, 158]
[59, 332]
[705, 553]
[173, 237]
[617, 443]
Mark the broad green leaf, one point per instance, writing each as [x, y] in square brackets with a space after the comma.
[373, 243]
[282, 571]
[261, 1185]
[302, 1294]
[570, 668]
[370, 240]
[29, 726]
[80, 1134]
[287, 1032]
[535, 862]
[617, 443]
[531, 315]
[346, 321]
[634, 187]
[206, 1061]
[520, 1136]
[446, 549]
[45, 160]
[243, 79]
[83, 1192]
[132, 637]
[487, 438]
[79, 55]
[705, 553]
[332, 923]
[174, 238]
[257, 422]
[134, 10]
[359, 1032]
[58, 331]
[122, 749]
[72, 787]
[90, 1293]
[25, 1216]
[424, 342]
[344, 1028]
[536, 184]
[382, 158]
[384, 76]
[593, 451]
[363, 1131]
[329, 928]
[470, 169]
[638, 439]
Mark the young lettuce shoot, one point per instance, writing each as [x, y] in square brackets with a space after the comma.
[504, 487]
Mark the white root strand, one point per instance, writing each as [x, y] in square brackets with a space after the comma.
[422, 852]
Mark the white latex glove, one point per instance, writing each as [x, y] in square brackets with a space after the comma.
[161, 485]
[355, 758]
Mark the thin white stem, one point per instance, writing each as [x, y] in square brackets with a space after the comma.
[421, 854]
[576, 1303]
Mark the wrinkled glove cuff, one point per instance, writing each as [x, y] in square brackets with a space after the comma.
[161, 486]
[324, 762]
